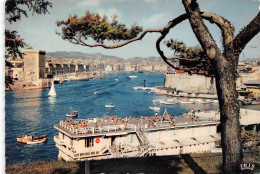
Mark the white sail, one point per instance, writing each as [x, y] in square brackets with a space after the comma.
[52, 90]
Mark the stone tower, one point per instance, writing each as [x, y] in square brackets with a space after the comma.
[34, 65]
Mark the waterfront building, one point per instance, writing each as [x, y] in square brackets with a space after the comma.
[113, 137]
[128, 67]
[253, 87]
[28, 73]
[108, 68]
[14, 69]
[146, 68]
[160, 68]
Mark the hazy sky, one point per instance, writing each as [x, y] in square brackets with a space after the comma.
[39, 30]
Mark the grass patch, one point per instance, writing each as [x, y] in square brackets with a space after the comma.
[46, 167]
[185, 164]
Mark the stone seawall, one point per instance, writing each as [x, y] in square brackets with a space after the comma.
[190, 83]
[174, 93]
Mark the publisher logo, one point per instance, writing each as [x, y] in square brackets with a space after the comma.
[247, 166]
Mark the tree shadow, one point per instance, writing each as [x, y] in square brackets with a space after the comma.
[192, 164]
[61, 170]
[163, 165]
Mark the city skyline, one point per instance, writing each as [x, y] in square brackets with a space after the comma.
[39, 30]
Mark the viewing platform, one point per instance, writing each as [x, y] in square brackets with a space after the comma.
[111, 126]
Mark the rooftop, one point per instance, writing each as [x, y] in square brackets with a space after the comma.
[111, 125]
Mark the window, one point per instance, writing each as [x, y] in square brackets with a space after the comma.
[89, 142]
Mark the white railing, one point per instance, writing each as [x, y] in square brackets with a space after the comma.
[85, 130]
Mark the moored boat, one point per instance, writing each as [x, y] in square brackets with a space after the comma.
[204, 101]
[187, 102]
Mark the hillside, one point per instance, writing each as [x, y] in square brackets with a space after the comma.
[80, 55]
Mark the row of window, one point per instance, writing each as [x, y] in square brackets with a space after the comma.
[89, 142]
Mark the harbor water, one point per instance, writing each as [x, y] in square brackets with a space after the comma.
[35, 112]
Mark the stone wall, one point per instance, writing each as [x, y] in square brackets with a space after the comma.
[190, 83]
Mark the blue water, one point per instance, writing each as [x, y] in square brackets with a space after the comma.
[34, 112]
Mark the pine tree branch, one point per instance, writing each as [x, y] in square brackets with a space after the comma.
[199, 28]
[140, 37]
[222, 23]
[244, 36]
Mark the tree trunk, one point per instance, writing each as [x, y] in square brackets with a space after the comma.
[229, 115]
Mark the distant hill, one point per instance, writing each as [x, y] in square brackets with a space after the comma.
[80, 55]
[251, 60]
[140, 59]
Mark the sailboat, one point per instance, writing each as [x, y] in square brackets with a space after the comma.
[52, 92]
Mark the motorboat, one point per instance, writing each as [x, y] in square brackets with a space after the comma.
[162, 102]
[73, 114]
[155, 108]
[132, 77]
[109, 106]
[31, 139]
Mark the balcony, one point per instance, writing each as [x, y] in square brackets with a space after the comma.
[58, 141]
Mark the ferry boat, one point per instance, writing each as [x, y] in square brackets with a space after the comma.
[113, 137]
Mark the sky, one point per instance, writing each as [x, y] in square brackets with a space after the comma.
[39, 30]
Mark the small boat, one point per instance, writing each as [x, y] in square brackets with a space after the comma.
[169, 103]
[155, 102]
[132, 77]
[31, 139]
[187, 102]
[109, 106]
[204, 101]
[170, 99]
[95, 92]
[116, 79]
[73, 114]
[52, 91]
[155, 108]
[162, 101]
